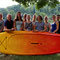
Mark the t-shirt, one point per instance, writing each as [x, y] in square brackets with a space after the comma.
[39, 26]
[8, 24]
[1, 24]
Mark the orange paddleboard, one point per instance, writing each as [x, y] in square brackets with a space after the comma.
[29, 43]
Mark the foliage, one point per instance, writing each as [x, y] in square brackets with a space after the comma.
[12, 13]
[38, 3]
[4, 12]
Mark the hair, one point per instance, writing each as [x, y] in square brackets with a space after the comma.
[45, 17]
[28, 15]
[8, 14]
[58, 15]
[16, 17]
[1, 15]
[40, 17]
[54, 16]
[34, 15]
[25, 15]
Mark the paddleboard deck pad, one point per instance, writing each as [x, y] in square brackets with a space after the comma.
[29, 43]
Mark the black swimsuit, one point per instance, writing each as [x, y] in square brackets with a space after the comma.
[59, 28]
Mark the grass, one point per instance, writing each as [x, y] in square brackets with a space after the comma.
[41, 57]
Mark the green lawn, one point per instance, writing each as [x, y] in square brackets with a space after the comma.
[43, 57]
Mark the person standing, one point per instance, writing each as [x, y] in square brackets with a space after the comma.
[28, 24]
[24, 21]
[40, 25]
[34, 19]
[53, 29]
[47, 24]
[1, 23]
[18, 22]
[58, 24]
[8, 24]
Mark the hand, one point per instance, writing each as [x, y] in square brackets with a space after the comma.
[35, 31]
[53, 32]
[41, 31]
[15, 29]
[49, 31]
[25, 29]
[12, 29]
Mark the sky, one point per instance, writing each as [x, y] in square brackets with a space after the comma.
[6, 3]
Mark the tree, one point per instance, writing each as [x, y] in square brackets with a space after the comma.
[12, 14]
[38, 3]
[16, 8]
[4, 12]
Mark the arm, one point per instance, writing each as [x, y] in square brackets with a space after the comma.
[45, 28]
[5, 27]
[49, 27]
[14, 24]
[34, 28]
[22, 26]
[2, 27]
[7, 30]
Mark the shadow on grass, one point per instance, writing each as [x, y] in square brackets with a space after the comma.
[41, 57]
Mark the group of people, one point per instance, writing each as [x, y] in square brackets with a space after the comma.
[26, 24]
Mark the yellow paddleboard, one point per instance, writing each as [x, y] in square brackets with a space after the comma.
[29, 43]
